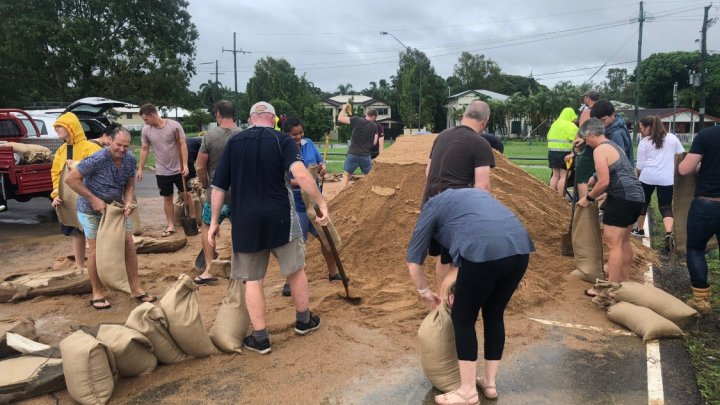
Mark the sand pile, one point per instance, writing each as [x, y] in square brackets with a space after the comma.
[375, 218]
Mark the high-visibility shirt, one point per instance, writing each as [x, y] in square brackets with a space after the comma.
[562, 132]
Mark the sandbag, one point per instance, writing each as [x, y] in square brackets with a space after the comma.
[437, 349]
[659, 301]
[178, 206]
[44, 283]
[110, 249]
[232, 321]
[133, 351]
[645, 322]
[180, 306]
[31, 153]
[150, 321]
[23, 327]
[683, 196]
[29, 376]
[89, 368]
[147, 244]
[220, 268]
[587, 243]
[67, 211]
[135, 218]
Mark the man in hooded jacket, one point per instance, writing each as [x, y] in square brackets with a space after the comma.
[560, 139]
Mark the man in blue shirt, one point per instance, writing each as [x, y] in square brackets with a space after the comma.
[253, 167]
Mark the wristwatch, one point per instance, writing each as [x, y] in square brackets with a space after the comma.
[589, 197]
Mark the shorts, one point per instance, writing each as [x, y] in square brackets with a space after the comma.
[436, 249]
[353, 162]
[584, 168]
[70, 230]
[664, 197]
[91, 222]
[207, 213]
[556, 159]
[619, 212]
[306, 225]
[253, 266]
[165, 184]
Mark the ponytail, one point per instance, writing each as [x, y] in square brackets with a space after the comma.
[657, 130]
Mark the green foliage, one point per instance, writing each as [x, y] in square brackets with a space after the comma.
[344, 133]
[318, 121]
[618, 86]
[197, 119]
[476, 72]
[413, 65]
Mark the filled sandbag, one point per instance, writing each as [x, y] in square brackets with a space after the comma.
[133, 351]
[659, 301]
[683, 196]
[150, 321]
[645, 322]
[23, 327]
[179, 205]
[437, 349]
[44, 283]
[181, 309]
[147, 244]
[31, 153]
[587, 243]
[110, 249]
[29, 376]
[232, 321]
[67, 211]
[89, 368]
[220, 268]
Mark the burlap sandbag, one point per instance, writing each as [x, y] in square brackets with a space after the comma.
[147, 244]
[67, 211]
[232, 321]
[31, 153]
[44, 283]
[180, 306]
[683, 196]
[645, 322]
[220, 268]
[29, 376]
[656, 299]
[110, 249]
[587, 244]
[149, 320]
[133, 351]
[178, 206]
[89, 368]
[437, 349]
[135, 219]
[23, 327]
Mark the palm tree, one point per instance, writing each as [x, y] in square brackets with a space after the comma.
[345, 88]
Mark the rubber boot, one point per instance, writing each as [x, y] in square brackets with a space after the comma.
[701, 300]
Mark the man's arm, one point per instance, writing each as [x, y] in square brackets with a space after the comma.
[144, 149]
[75, 181]
[129, 194]
[690, 164]
[184, 169]
[307, 184]
[343, 117]
[201, 169]
[381, 144]
[482, 178]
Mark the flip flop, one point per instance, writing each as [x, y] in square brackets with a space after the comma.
[201, 280]
[481, 383]
[456, 398]
[166, 233]
[145, 298]
[100, 301]
[591, 293]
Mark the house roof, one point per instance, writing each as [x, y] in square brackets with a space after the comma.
[629, 114]
[487, 93]
[357, 99]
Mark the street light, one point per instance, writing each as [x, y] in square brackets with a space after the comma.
[407, 48]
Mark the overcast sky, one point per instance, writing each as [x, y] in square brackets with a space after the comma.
[339, 42]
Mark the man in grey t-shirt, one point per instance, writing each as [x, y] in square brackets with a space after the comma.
[364, 136]
[211, 150]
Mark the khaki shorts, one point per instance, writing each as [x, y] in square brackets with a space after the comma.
[253, 266]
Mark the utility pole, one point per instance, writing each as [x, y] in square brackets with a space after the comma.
[641, 20]
[675, 103]
[235, 52]
[703, 75]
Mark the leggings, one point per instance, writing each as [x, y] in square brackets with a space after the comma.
[664, 196]
[486, 285]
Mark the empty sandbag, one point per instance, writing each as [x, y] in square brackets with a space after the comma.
[220, 268]
[67, 211]
[44, 283]
[181, 309]
[133, 351]
[23, 327]
[29, 376]
[232, 321]
[587, 243]
[135, 219]
[437, 349]
[110, 249]
[645, 322]
[149, 320]
[656, 299]
[89, 368]
[144, 245]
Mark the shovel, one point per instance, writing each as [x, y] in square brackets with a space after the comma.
[189, 224]
[336, 256]
[566, 245]
[200, 260]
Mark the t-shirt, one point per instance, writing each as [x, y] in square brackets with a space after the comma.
[311, 156]
[707, 144]
[253, 166]
[375, 152]
[455, 154]
[657, 166]
[104, 179]
[363, 135]
[494, 142]
[193, 146]
[213, 143]
[162, 141]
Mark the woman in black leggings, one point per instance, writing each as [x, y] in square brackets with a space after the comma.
[491, 248]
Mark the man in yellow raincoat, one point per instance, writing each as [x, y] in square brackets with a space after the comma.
[560, 142]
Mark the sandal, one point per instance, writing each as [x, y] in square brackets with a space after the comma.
[202, 280]
[590, 292]
[481, 383]
[102, 300]
[166, 233]
[144, 297]
[456, 398]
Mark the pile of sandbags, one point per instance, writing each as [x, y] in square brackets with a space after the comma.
[644, 309]
[147, 244]
[30, 153]
[45, 283]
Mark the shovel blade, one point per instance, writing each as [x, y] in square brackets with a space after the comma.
[566, 245]
[190, 226]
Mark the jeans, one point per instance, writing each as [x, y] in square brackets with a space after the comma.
[703, 222]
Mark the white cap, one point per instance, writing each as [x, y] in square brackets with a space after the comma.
[262, 107]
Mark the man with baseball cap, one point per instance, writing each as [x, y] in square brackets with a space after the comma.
[253, 167]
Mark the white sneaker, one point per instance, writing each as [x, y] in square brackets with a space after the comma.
[2, 208]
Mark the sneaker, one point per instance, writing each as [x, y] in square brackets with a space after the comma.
[305, 328]
[2, 208]
[669, 242]
[640, 233]
[286, 290]
[262, 347]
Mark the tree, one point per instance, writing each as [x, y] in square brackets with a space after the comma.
[345, 88]
[617, 86]
[133, 51]
[197, 119]
[318, 121]
[476, 72]
[275, 80]
[414, 63]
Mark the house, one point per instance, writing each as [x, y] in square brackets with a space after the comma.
[129, 117]
[457, 103]
[683, 122]
[360, 104]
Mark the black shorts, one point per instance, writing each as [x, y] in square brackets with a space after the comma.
[556, 159]
[165, 184]
[619, 212]
[436, 249]
[70, 230]
[584, 167]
